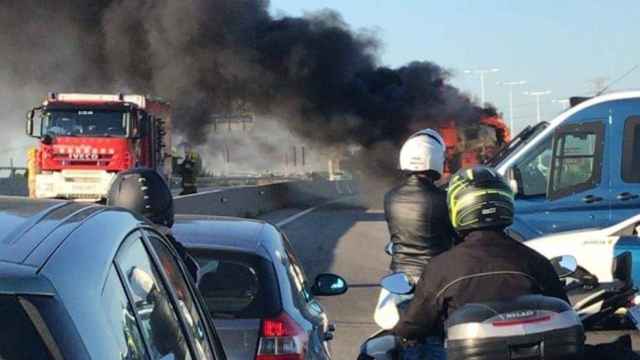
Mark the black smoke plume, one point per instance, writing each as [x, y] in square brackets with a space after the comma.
[316, 74]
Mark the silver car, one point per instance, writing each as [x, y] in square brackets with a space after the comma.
[256, 290]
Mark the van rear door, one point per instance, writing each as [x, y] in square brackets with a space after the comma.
[625, 174]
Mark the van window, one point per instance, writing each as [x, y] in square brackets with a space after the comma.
[577, 153]
[532, 172]
[631, 150]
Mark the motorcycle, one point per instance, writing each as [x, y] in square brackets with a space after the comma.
[534, 326]
[594, 249]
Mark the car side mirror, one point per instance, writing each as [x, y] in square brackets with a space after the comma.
[329, 285]
[397, 283]
[564, 265]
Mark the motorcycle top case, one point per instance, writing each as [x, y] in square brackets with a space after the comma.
[529, 327]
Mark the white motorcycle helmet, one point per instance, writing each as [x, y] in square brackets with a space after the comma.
[423, 151]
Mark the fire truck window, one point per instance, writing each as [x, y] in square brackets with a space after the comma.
[533, 170]
[85, 123]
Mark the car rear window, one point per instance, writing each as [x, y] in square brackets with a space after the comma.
[19, 336]
[237, 285]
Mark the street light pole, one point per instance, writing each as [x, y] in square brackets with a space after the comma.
[511, 84]
[482, 73]
[565, 103]
[538, 94]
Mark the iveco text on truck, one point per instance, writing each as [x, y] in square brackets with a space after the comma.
[86, 139]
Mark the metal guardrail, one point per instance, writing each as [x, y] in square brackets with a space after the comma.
[251, 201]
[14, 184]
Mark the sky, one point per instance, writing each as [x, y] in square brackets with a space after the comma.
[563, 46]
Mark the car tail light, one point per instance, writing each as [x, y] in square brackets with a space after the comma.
[529, 320]
[281, 339]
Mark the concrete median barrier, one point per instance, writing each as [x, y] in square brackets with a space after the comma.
[250, 201]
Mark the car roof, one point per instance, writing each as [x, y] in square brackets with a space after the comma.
[218, 232]
[27, 225]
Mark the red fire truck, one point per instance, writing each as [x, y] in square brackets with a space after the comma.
[85, 139]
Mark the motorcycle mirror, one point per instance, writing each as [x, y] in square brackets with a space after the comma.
[397, 283]
[389, 249]
[564, 265]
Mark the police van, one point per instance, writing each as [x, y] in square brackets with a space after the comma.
[581, 170]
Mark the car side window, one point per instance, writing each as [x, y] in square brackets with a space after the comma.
[296, 273]
[631, 150]
[532, 172]
[161, 328]
[119, 313]
[186, 303]
[577, 156]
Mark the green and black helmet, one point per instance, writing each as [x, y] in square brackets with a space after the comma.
[479, 198]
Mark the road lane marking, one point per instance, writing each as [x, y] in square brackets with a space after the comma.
[297, 216]
[197, 194]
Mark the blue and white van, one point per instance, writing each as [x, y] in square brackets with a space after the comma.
[581, 170]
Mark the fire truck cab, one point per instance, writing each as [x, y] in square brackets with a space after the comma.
[86, 139]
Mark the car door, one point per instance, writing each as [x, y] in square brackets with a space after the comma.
[578, 187]
[309, 307]
[625, 173]
[560, 182]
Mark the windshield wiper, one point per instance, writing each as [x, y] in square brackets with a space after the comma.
[517, 142]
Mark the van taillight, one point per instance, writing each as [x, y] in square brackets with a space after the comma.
[281, 338]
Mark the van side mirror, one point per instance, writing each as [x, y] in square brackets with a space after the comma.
[564, 265]
[515, 181]
[513, 184]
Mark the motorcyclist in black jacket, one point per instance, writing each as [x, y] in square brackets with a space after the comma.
[487, 266]
[145, 192]
[416, 210]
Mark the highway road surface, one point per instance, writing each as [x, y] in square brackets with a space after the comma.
[349, 240]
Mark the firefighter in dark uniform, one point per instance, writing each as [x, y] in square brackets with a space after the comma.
[188, 169]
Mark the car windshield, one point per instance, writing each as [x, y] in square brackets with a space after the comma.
[85, 123]
[237, 285]
[518, 142]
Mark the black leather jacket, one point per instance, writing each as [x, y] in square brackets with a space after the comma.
[487, 266]
[418, 219]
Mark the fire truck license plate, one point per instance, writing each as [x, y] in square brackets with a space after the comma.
[634, 314]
